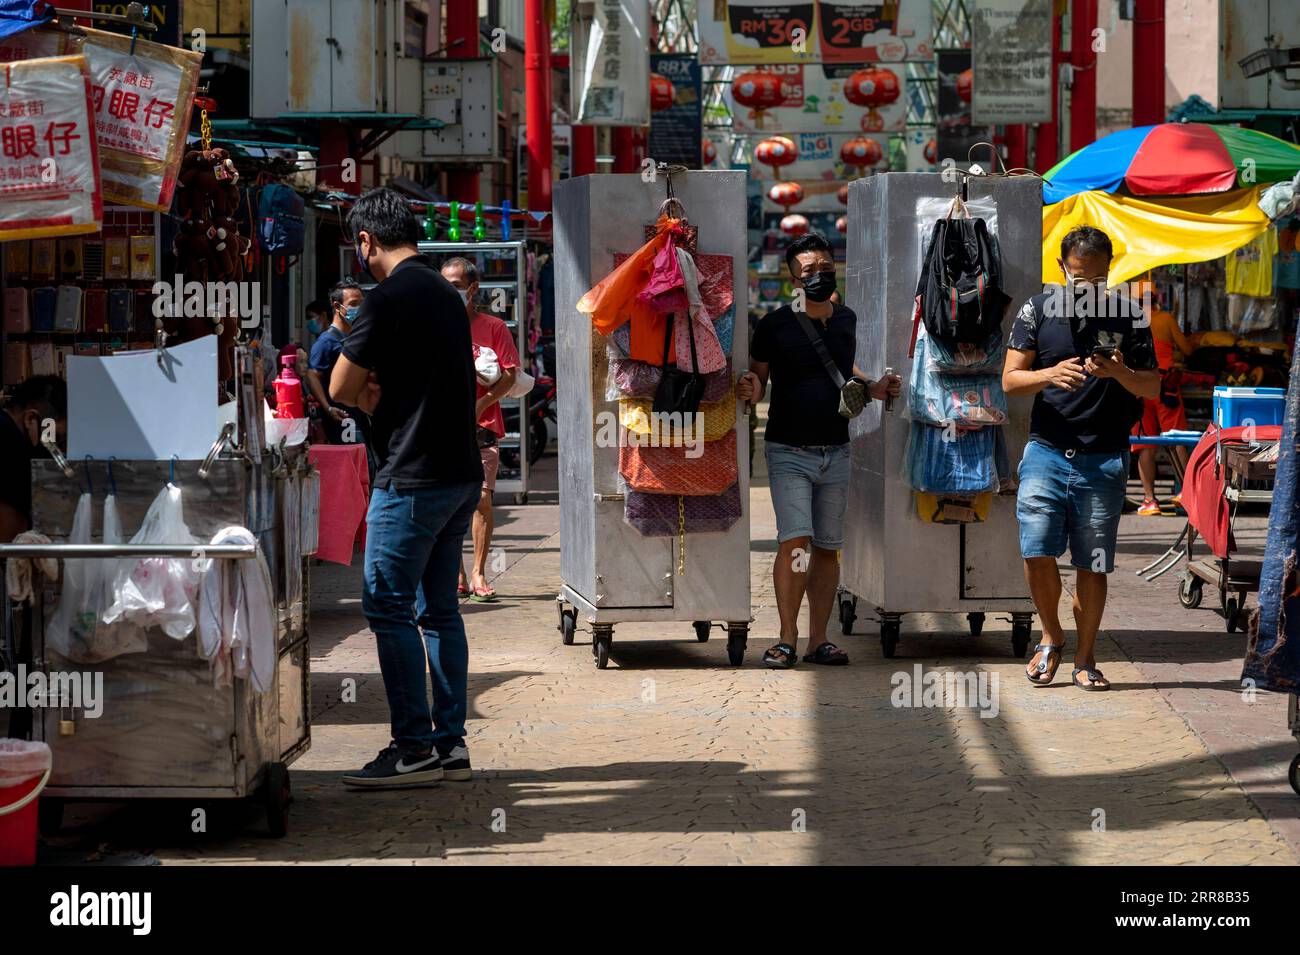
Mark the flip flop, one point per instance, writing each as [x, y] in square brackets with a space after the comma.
[484, 596]
[1045, 678]
[1093, 675]
[826, 655]
[773, 663]
[462, 592]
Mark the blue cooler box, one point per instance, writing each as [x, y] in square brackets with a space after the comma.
[1235, 407]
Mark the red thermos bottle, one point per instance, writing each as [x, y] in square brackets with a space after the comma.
[288, 390]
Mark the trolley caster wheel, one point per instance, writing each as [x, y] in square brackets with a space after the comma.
[601, 640]
[49, 816]
[1233, 612]
[702, 628]
[276, 796]
[737, 639]
[1293, 774]
[1021, 632]
[976, 621]
[1190, 591]
[889, 631]
[568, 626]
[848, 614]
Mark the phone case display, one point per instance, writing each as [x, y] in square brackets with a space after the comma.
[653, 454]
[43, 260]
[70, 262]
[67, 309]
[17, 318]
[43, 302]
[117, 261]
[17, 259]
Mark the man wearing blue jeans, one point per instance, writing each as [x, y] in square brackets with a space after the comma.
[1086, 355]
[407, 362]
[807, 444]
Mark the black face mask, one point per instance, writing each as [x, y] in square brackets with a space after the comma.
[363, 262]
[820, 287]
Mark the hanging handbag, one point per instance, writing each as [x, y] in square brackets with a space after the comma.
[637, 415]
[670, 470]
[665, 515]
[629, 378]
[853, 393]
[679, 391]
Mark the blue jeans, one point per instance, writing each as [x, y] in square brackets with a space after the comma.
[1073, 499]
[413, 552]
[810, 489]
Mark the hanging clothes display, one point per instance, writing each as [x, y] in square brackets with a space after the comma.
[1250, 268]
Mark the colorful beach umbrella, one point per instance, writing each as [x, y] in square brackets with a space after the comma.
[1173, 159]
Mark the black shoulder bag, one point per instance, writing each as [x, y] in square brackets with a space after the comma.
[679, 391]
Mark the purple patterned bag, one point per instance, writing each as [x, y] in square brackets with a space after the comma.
[657, 515]
[629, 378]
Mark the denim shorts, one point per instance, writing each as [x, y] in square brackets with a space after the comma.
[810, 488]
[1073, 499]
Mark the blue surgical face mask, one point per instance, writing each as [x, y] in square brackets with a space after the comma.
[313, 326]
[350, 315]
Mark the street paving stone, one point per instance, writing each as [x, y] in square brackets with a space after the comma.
[672, 756]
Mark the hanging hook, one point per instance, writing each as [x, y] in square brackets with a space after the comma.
[90, 485]
[112, 481]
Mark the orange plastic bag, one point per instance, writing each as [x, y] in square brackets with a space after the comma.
[612, 301]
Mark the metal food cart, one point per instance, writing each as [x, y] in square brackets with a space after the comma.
[892, 559]
[611, 573]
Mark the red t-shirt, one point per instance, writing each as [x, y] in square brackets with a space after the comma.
[488, 331]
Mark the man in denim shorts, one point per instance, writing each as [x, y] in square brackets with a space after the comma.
[807, 445]
[1086, 355]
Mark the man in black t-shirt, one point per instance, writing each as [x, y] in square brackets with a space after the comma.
[39, 403]
[407, 362]
[1086, 355]
[807, 444]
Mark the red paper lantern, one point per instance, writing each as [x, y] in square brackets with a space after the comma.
[710, 152]
[776, 152]
[843, 194]
[662, 94]
[842, 224]
[786, 194]
[861, 152]
[872, 87]
[965, 80]
[794, 225]
[931, 153]
[759, 91]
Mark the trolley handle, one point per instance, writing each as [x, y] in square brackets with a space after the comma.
[65, 551]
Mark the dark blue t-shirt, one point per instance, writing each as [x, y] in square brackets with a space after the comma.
[1100, 415]
[325, 353]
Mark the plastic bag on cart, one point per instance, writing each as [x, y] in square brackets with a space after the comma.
[22, 761]
[76, 631]
[159, 591]
[949, 460]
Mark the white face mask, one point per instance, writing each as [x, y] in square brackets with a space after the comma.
[464, 296]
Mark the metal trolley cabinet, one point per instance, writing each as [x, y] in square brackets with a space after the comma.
[892, 559]
[612, 574]
[165, 731]
[506, 294]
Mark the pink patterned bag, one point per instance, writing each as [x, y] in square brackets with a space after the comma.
[670, 470]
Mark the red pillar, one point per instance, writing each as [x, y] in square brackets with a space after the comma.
[624, 147]
[335, 149]
[1149, 63]
[1017, 141]
[1083, 93]
[583, 160]
[1047, 135]
[462, 25]
[537, 84]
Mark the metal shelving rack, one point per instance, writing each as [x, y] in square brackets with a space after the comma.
[510, 480]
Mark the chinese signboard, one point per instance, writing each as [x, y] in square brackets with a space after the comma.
[142, 102]
[49, 164]
[610, 63]
[815, 103]
[1013, 61]
[675, 133]
[813, 31]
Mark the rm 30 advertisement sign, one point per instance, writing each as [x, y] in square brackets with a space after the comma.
[813, 31]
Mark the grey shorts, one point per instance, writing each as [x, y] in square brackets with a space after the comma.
[810, 489]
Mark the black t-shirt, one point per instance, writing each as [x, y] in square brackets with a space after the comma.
[1100, 415]
[16, 454]
[805, 403]
[412, 331]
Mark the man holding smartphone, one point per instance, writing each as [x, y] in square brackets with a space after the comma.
[1085, 354]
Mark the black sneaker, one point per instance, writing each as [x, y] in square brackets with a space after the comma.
[397, 767]
[455, 764]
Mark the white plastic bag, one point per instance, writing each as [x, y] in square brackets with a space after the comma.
[76, 631]
[159, 591]
[487, 367]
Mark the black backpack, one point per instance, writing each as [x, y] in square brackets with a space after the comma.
[960, 288]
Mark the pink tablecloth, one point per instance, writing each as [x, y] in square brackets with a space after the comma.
[344, 496]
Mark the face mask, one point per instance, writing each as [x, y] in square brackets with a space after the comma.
[820, 287]
[363, 262]
[313, 326]
[350, 315]
[464, 296]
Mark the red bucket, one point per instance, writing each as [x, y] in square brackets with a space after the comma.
[18, 802]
